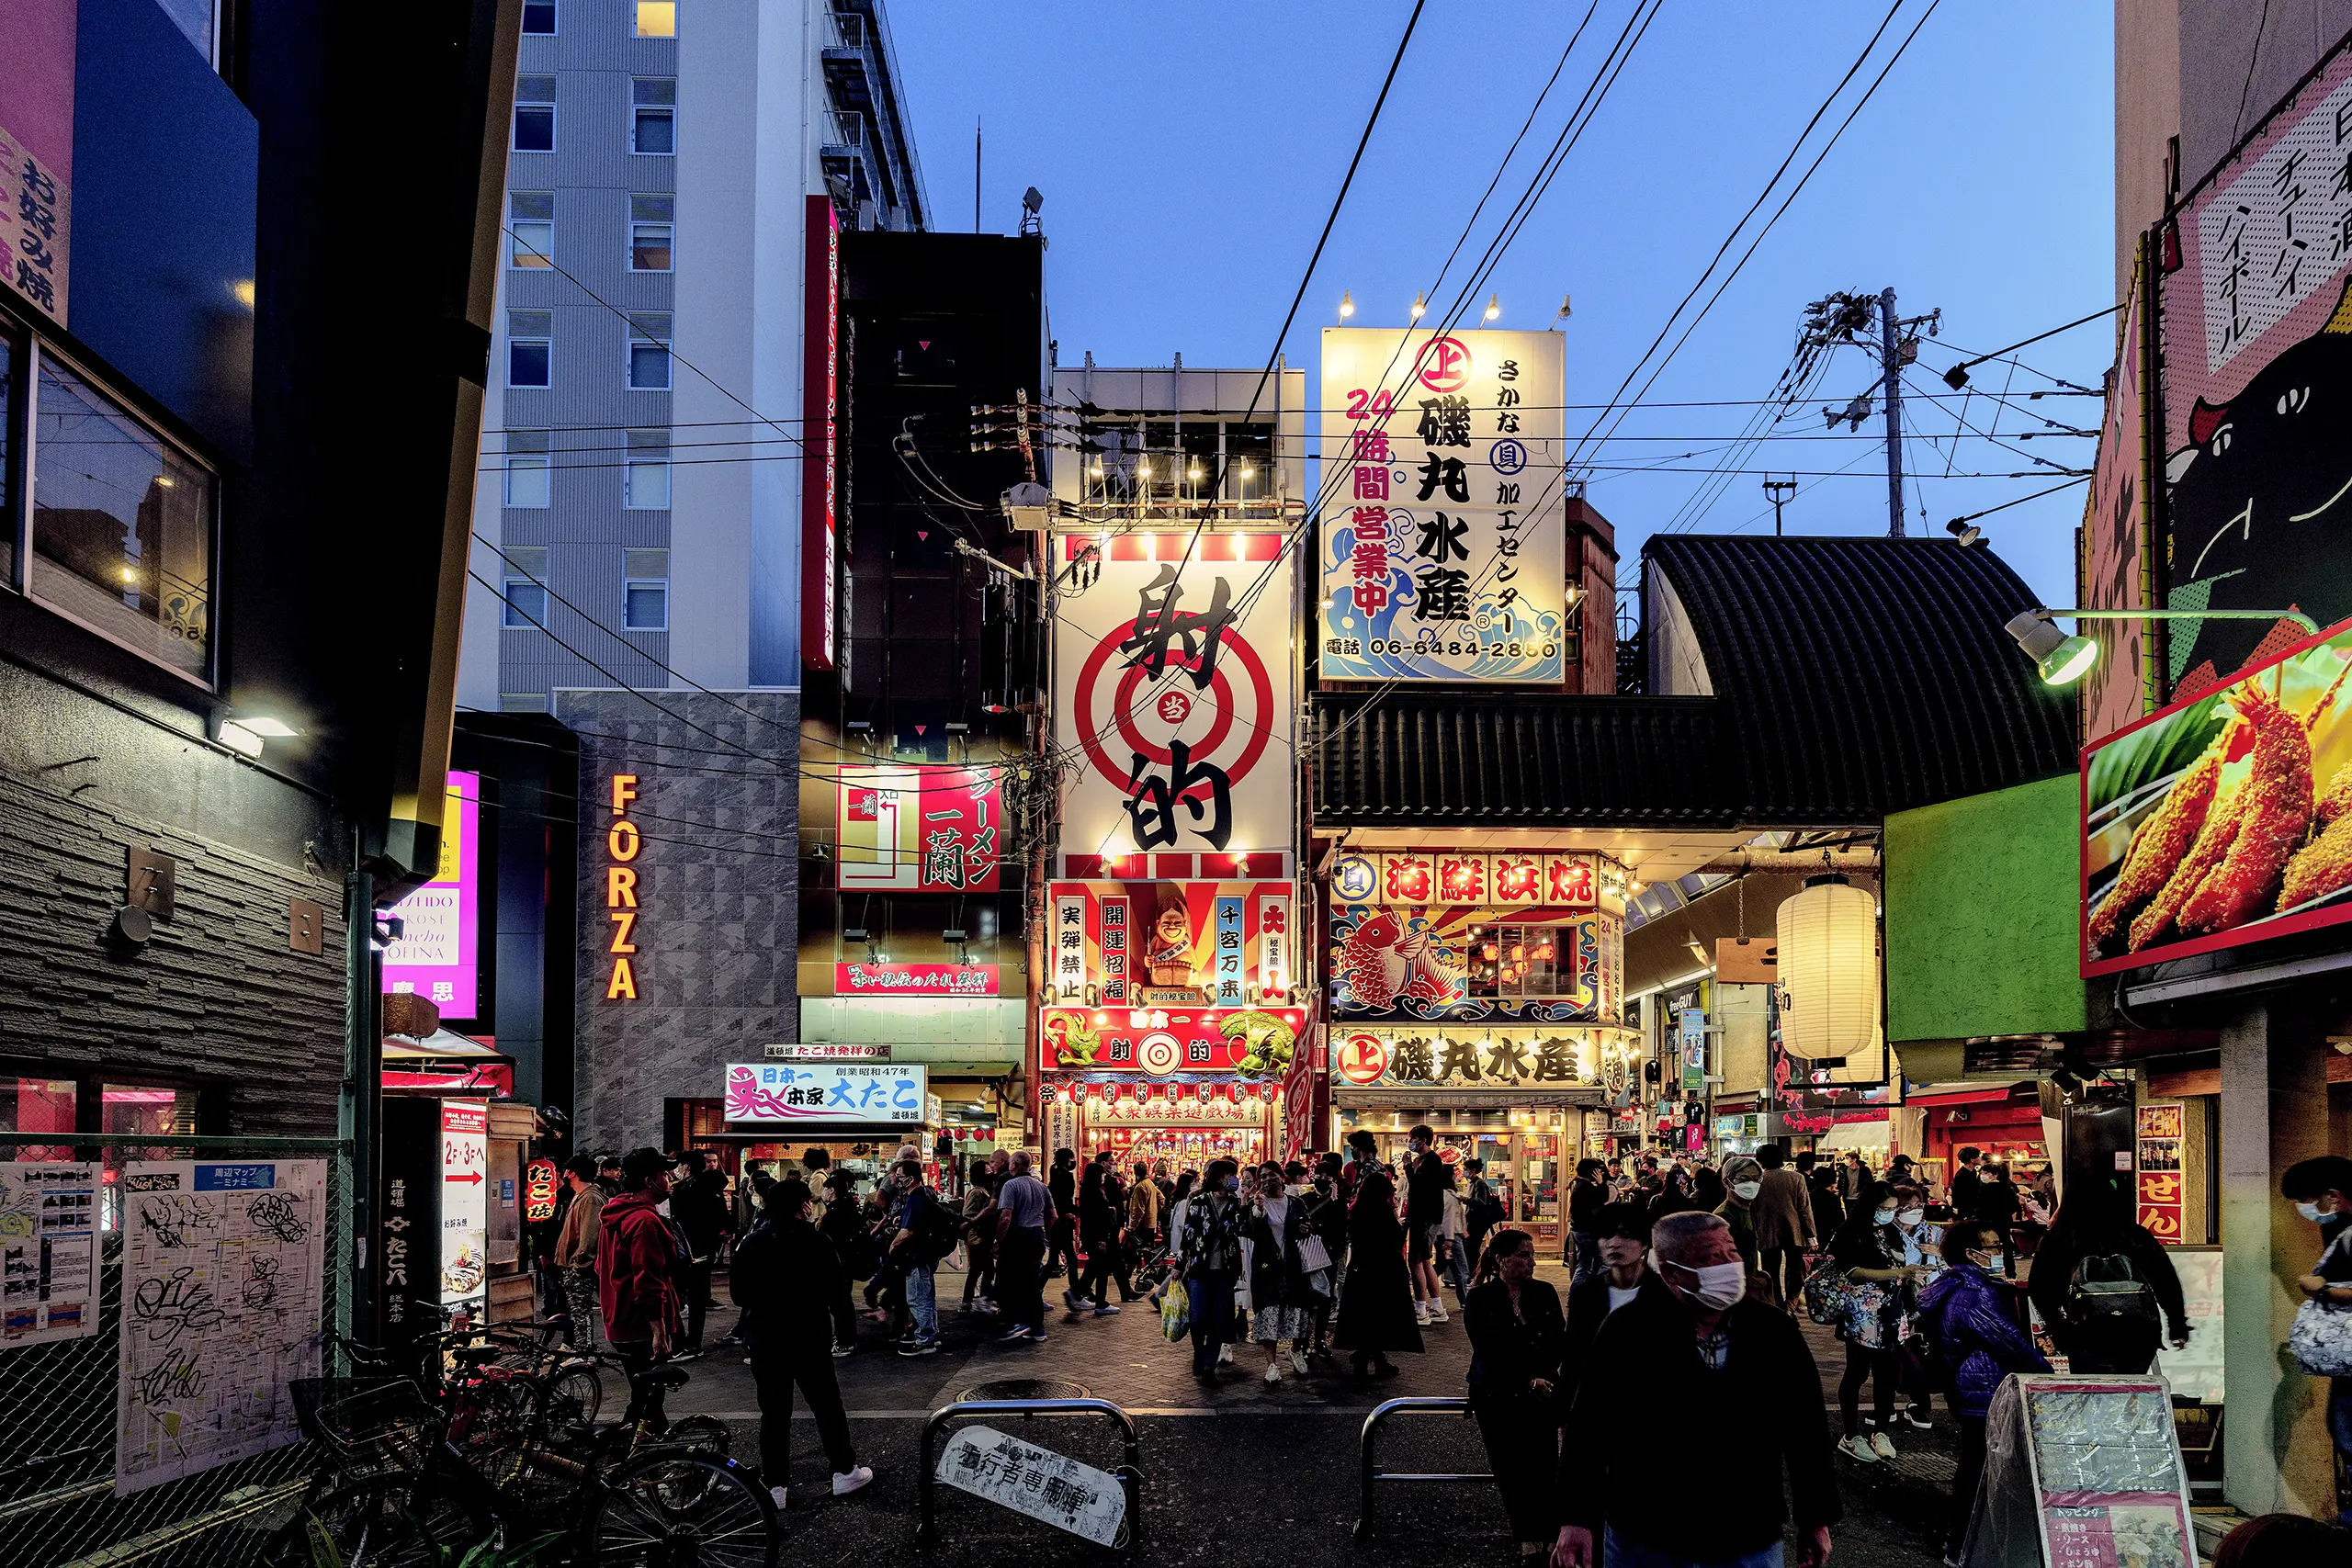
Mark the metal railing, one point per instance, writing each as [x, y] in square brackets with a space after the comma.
[927, 1487]
[57, 1447]
[1373, 1474]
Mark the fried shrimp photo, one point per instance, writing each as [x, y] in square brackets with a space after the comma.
[2324, 866]
[2158, 845]
[2273, 810]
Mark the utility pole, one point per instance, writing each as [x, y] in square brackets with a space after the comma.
[1845, 319]
[1778, 491]
[1891, 358]
[976, 174]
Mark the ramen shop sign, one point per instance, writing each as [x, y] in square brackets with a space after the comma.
[623, 843]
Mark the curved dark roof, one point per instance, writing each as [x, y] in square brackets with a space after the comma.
[1852, 677]
[1859, 676]
[1421, 757]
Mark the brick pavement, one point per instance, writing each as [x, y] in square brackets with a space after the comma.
[1239, 1473]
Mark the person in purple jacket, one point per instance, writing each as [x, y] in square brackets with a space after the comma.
[1975, 1317]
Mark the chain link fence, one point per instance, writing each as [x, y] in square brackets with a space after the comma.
[58, 1401]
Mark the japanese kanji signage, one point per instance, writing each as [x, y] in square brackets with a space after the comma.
[1254, 1043]
[2160, 1176]
[1427, 965]
[2255, 399]
[37, 150]
[920, 830]
[1175, 943]
[1173, 692]
[1468, 1058]
[1445, 546]
[1515, 879]
[1036, 1481]
[914, 980]
[839, 1091]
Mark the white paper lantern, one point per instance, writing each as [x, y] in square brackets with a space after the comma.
[1829, 977]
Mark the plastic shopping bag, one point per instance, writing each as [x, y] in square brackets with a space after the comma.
[1175, 1311]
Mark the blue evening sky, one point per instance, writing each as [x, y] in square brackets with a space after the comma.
[1189, 153]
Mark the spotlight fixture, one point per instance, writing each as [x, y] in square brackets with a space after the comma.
[1494, 306]
[1347, 304]
[2063, 659]
[1420, 305]
[1966, 532]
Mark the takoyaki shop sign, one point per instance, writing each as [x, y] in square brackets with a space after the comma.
[2225, 819]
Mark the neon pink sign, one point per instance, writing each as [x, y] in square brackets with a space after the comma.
[435, 957]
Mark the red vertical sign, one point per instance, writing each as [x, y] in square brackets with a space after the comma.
[821, 337]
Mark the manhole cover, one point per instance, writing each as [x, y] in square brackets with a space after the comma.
[1026, 1388]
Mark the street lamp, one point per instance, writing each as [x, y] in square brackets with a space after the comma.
[1347, 304]
[2063, 659]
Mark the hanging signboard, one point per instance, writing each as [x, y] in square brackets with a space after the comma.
[914, 980]
[49, 1252]
[1254, 1043]
[465, 1201]
[1174, 695]
[434, 955]
[2225, 819]
[2257, 335]
[919, 830]
[889, 1092]
[1036, 1481]
[1444, 544]
[2160, 1176]
[1510, 880]
[223, 1266]
[1170, 943]
[541, 1182]
[1542, 965]
[1469, 1058]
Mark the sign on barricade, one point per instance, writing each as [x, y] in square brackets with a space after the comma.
[1036, 1481]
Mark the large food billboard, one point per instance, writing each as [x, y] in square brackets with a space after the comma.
[2225, 819]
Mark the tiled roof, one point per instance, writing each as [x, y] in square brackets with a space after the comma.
[1852, 677]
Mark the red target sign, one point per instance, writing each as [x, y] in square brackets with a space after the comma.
[1443, 365]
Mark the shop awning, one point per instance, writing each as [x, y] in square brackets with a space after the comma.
[445, 1063]
[1934, 1097]
[1857, 1135]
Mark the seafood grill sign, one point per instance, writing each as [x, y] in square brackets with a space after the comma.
[2223, 819]
[1444, 547]
[1424, 964]
[1173, 697]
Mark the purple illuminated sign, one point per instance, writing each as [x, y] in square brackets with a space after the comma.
[435, 957]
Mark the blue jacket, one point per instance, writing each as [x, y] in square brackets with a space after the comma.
[1971, 1321]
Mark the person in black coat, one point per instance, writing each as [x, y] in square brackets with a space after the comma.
[698, 1205]
[1699, 1352]
[787, 1279]
[2110, 1329]
[1622, 1234]
[843, 1226]
[1327, 1217]
[1377, 1301]
[1516, 1334]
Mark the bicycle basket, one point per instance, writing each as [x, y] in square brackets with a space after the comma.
[373, 1421]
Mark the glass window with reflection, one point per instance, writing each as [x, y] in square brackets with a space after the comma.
[122, 525]
[33, 1110]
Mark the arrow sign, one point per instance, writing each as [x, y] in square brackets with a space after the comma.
[472, 1176]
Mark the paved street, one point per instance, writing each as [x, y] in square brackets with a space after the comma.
[1240, 1474]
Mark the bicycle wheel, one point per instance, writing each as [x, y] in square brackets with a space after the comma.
[685, 1510]
[492, 1424]
[704, 1434]
[576, 1394]
[404, 1520]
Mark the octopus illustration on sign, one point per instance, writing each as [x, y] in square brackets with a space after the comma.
[1181, 725]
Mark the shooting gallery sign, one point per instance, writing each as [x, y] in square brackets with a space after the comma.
[1252, 1042]
[1173, 692]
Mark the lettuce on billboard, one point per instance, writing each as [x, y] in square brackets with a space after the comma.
[2227, 817]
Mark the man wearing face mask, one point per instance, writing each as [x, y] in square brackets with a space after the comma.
[2320, 1190]
[1743, 1180]
[1700, 1347]
[1975, 1319]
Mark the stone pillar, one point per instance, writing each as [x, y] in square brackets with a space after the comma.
[2276, 1454]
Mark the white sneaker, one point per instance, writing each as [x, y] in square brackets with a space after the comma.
[1298, 1363]
[1882, 1445]
[1858, 1448]
[1225, 1353]
[845, 1484]
[1437, 1314]
[1421, 1314]
[777, 1493]
[1274, 1374]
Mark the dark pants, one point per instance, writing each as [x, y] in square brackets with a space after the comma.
[1584, 1256]
[1063, 1255]
[1785, 1266]
[1211, 1292]
[1019, 1276]
[1963, 1481]
[1864, 1364]
[774, 1369]
[644, 1399]
[2339, 1427]
[1104, 1267]
[694, 1281]
[979, 1269]
[845, 1317]
[1522, 1449]
[2127, 1347]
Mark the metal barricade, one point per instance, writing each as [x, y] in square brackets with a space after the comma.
[1416, 1406]
[926, 1485]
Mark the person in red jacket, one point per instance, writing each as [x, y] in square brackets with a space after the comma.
[638, 1267]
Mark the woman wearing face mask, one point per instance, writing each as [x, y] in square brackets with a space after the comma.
[1918, 1245]
[1743, 1179]
[2320, 1190]
[1975, 1317]
[1869, 1248]
[1515, 1336]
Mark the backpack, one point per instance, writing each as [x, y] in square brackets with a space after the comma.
[936, 1231]
[2106, 1289]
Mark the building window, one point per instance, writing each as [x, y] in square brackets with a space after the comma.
[653, 122]
[525, 588]
[653, 224]
[526, 468]
[530, 229]
[534, 114]
[645, 477]
[645, 590]
[37, 1106]
[530, 347]
[122, 524]
[538, 15]
[657, 19]
[648, 353]
[522, 702]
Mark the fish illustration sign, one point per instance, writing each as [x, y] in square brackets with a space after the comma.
[2225, 818]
